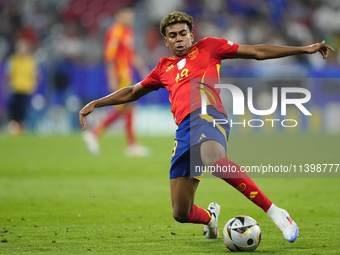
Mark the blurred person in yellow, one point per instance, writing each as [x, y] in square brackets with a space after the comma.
[22, 76]
[120, 58]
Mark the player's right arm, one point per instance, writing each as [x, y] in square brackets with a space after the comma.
[122, 96]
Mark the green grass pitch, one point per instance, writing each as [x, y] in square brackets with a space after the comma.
[55, 198]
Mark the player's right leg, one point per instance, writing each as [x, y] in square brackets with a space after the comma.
[185, 211]
[182, 197]
[183, 187]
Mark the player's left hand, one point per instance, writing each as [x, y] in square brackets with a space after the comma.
[320, 47]
[84, 112]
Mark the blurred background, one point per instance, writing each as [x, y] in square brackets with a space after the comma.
[66, 39]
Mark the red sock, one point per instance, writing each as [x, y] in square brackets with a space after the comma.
[129, 128]
[111, 117]
[197, 215]
[241, 181]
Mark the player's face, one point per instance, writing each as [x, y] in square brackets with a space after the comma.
[178, 38]
[126, 16]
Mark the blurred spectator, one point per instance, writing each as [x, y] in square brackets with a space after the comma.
[22, 79]
[158, 9]
[10, 25]
[155, 45]
[70, 44]
[120, 57]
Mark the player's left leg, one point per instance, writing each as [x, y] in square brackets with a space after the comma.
[213, 154]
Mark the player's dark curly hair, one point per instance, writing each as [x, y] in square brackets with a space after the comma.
[173, 18]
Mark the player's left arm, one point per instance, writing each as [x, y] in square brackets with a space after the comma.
[266, 51]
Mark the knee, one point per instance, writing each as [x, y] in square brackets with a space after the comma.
[210, 160]
[211, 151]
[180, 215]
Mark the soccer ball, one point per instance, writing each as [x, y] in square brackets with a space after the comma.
[242, 233]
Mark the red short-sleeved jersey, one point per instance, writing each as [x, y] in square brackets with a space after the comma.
[119, 49]
[202, 61]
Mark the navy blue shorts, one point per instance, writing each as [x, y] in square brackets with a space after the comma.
[192, 131]
[18, 105]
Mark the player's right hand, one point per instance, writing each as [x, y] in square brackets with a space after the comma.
[84, 112]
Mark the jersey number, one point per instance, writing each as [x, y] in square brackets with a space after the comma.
[182, 75]
[175, 147]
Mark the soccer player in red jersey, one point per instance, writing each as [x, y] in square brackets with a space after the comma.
[120, 57]
[202, 60]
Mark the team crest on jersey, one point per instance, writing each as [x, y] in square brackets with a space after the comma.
[193, 53]
[181, 63]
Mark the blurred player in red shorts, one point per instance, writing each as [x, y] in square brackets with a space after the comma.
[120, 57]
[195, 133]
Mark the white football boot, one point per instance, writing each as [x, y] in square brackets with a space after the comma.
[284, 222]
[91, 141]
[137, 150]
[210, 231]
